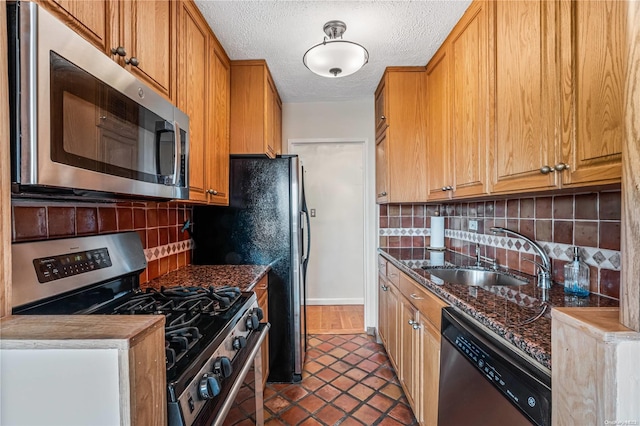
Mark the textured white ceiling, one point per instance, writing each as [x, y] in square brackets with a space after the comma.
[395, 33]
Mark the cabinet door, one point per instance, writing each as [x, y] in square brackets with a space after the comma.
[470, 102]
[277, 124]
[192, 94]
[218, 144]
[406, 136]
[438, 134]
[92, 19]
[383, 310]
[593, 74]
[382, 195]
[270, 118]
[408, 335]
[525, 96]
[392, 319]
[262, 294]
[148, 34]
[429, 377]
[248, 107]
[381, 118]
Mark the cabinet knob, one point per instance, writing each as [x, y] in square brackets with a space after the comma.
[545, 170]
[411, 322]
[382, 194]
[118, 51]
[133, 61]
[212, 191]
[416, 326]
[561, 166]
[382, 118]
[447, 188]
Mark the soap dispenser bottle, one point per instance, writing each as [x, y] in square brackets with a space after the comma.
[576, 276]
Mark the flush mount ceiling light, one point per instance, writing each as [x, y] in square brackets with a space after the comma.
[335, 57]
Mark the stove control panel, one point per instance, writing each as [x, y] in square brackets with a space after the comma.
[53, 268]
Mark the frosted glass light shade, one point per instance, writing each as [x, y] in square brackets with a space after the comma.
[335, 58]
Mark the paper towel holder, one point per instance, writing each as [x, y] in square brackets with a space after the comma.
[432, 248]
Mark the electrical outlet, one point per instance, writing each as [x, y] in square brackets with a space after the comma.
[473, 225]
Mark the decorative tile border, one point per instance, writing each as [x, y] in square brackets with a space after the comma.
[600, 258]
[404, 232]
[159, 252]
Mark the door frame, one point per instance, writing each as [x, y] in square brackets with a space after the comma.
[369, 214]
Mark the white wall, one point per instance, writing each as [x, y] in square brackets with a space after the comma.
[348, 120]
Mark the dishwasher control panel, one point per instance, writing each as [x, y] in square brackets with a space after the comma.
[503, 369]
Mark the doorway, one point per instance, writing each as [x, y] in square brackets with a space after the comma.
[334, 179]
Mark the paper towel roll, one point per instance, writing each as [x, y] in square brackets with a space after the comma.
[437, 232]
[436, 258]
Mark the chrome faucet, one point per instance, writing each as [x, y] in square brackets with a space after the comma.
[544, 269]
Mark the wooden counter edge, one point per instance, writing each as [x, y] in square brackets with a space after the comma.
[601, 323]
[76, 331]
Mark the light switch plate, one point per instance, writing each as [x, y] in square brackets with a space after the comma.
[473, 225]
[313, 212]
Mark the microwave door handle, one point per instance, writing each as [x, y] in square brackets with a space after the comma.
[178, 151]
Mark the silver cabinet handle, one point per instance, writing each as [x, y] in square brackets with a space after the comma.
[133, 61]
[411, 322]
[561, 166]
[118, 51]
[447, 188]
[384, 288]
[212, 192]
[545, 170]
[416, 326]
[382, 117]
[382, 194]
[415, 296]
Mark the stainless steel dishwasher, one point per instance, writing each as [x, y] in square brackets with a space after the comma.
[484, 382]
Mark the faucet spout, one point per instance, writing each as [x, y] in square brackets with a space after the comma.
[544, 271]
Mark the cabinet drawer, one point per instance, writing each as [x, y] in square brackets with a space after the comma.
[429, 305]
[382, 266]
[393, 274]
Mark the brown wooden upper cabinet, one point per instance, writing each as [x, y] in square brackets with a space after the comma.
[401, 172]
[256, 110]
[557, 123]
[593, 65]
[470, 106]
[204, 94]
[139, 35]
[458, 109]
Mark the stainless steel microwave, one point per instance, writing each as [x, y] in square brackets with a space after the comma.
[83, 125]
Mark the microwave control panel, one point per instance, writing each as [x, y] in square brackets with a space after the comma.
[53, 268]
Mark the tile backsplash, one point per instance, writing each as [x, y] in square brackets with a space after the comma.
[558, 222]
[159, 226]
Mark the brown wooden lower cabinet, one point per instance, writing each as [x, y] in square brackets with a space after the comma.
[409, 326]
[262, 294]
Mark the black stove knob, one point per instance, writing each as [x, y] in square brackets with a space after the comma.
[222, 367]
[252, 322]
[259, 313]
[209, 387]
[239, 342]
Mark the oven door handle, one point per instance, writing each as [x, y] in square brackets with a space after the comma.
[237, 384]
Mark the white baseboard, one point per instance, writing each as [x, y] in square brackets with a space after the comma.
[353, 301]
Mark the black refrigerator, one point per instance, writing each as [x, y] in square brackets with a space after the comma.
[266, 223]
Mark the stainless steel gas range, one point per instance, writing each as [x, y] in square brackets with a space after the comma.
[213, 333]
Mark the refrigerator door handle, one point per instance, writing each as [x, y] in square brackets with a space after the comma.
[305, 252]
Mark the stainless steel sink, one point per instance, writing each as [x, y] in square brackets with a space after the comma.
[476, 277]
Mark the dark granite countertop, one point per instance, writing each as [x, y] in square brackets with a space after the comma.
[501, 309]
[243, 276]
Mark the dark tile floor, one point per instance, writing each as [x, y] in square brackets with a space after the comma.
[347, 380]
